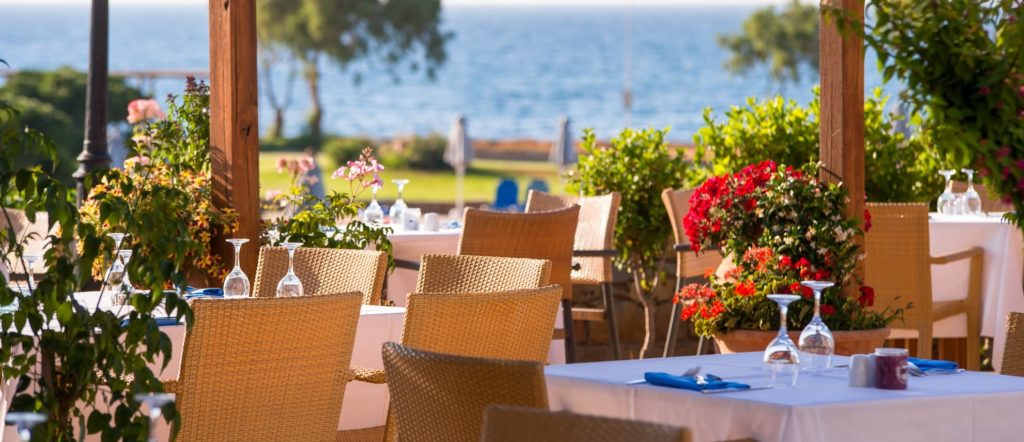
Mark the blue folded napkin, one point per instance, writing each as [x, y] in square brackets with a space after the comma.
[163, 321]
[211, 292]
[690, 383]
[933, 364]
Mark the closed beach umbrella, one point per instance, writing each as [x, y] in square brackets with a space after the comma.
[563, 151]
[458, 154]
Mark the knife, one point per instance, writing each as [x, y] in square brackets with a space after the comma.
[733, 389]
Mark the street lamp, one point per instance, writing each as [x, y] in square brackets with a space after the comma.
[95, 154]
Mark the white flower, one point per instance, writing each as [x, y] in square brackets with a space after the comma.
[788, 241]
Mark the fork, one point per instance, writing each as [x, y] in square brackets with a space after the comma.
[689, 372]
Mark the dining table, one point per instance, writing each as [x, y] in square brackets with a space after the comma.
[410, 245]
[965, 406]
[1002, 288]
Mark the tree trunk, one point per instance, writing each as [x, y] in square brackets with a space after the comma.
[650, 328]
[276, 127]
[312, 74]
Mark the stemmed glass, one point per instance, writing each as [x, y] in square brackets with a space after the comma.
[155, 402]
[25, 421]
[947, 201]
[236, 285]
[781, 357]
[398, 208]
[972, 201]
[116, 268]
[290, 284]
[816, 340]
[373, 213]
[126, 284]
[30, 261]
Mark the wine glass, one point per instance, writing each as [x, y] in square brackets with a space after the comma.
[236, 285]
[116, 268]
[290, 284]
[373, 213]
[398, 208]
[155, 402]
[972, 201]
[30, 261]
[25, 421]
[816, 341]
[947, 201]
[781, 357]
[126, 284]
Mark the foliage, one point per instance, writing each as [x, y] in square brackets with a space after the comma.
[54, 102]
[385, 32]
[344, 149]
[783, 40]
[71, 354]
[782, 226]
[963, 60]
[171, 169]
[314, 221]
[896, 168]
[639, 165]
[421, 153]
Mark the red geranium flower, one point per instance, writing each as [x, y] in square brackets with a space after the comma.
[746, 288]
[867, 220]
[827, 310]
[785, 261]
[867, 296]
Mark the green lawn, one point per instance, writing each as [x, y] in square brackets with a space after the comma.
[426, 186]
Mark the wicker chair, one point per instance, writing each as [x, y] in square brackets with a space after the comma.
[547, 235]
[897, 265]
[690, 267]
[1013, 352]
[245, 358]
[322, 271]
[480, 274]
[514, 325]
[594, 242]
[441, 397]
[989, 202]
[503, 423]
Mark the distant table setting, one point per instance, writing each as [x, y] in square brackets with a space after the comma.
[1002, 279]
[730, 398]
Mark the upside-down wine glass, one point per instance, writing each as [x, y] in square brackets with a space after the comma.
[972, 201]
[236, 285]
[947, 200]
[373, 213]
[116, 268]
[30, 261]
[126, 284]
[290, 284]
[155, 402]
[25, 421]
[816, 341]
[781, 357]
[398, 208]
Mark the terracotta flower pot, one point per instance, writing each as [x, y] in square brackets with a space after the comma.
[847, 342]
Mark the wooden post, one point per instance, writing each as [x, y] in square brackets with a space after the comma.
[842, 106]
[234, 134]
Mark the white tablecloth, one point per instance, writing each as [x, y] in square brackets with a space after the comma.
[410, 246]
[1002, 281]
[962, 407]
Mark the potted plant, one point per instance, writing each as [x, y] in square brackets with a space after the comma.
[781, 226]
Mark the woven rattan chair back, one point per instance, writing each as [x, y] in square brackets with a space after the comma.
[1013, 352]
[438, 397]
[595, 230]
[688, 264]
[897, 262]
[506, 325]
[989, 202]
[480, 274]
[545, 235]
[266, 369]
[323, 270]
[503, 423]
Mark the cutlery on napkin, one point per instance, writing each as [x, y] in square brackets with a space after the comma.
[924, 367]
[692, 371]
[693, 383]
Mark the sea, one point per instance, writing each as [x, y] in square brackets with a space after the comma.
[512, 71]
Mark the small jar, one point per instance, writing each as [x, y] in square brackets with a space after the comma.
[891, 368]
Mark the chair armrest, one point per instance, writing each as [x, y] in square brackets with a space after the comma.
[406, 264]
[952, 257]
[369, 375]
[684, 247]
[595, 253]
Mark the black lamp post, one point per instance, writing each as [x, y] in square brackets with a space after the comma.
[95, 154]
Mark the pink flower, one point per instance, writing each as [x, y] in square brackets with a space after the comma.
[144, 109]
[272, 194]
[1003, 152]
[130, 163]
[282, 164]
[306, 164]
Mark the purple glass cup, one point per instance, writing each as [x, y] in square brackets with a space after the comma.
[891, 368]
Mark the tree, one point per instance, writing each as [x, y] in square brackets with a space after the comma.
[390, 32]
[782, 40]
[270, 56]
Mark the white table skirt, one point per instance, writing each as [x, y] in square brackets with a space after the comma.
[1002, 279]
[410, 246]
[962, 407]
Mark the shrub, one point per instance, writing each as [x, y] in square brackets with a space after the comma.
[426, 153]
[896, 168]
[345, 149]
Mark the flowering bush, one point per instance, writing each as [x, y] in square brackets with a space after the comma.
[315, 221]
[781, 226]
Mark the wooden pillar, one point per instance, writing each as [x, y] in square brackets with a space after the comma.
[842, 105]
[234, 134]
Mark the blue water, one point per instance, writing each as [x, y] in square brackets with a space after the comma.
[511, 70]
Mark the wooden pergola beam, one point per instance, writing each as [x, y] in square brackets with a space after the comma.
[842, 105]
[234, 130]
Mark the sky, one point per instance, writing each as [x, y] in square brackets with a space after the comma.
[460, 2]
